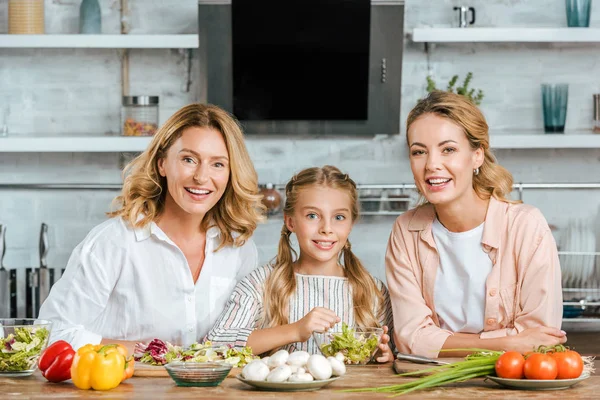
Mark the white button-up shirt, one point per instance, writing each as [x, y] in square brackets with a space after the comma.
[125, 283]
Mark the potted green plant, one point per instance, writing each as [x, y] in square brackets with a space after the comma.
[475, 95]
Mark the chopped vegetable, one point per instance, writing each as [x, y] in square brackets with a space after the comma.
[158, 352]
[355, 349]
[19, 351]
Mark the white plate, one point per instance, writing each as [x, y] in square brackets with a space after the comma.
[536, 384]
[288, 386]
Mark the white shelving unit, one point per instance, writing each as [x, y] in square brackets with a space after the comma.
[524, 35]
[190, 41]
[108, 144]
[74, 144]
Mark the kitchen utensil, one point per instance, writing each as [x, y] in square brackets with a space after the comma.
[45, 274]
[4, 277]
[463, 16]
[403, 367]
[419, 359]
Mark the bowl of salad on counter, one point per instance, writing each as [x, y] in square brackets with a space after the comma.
[357, 345]
[21, 343]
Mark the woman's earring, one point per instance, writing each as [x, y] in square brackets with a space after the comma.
[476, 171]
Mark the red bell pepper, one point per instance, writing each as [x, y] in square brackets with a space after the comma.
[55, 362]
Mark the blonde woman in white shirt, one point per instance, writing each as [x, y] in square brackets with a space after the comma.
[166, 262]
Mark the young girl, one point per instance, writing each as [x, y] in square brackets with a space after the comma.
[282, 304]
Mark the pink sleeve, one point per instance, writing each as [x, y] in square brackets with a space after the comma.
[414, 329]
[540, 300]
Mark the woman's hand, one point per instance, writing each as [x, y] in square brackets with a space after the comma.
[319, 319]
[385, 352]
[531, 338]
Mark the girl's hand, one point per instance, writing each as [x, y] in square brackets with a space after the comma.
[319, 319]
[385, 352]
[531, 338]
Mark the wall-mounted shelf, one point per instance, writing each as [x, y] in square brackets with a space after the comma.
[188, 41]
[107, 144]
[525, 35]
[75, 144]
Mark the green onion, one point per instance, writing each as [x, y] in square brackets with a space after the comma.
[480, 363]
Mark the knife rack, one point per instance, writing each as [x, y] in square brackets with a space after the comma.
[24, 299]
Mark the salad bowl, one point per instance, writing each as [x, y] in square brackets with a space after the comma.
[21, 343]
[357, 345]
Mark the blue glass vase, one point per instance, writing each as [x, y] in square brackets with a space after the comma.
[90, 17]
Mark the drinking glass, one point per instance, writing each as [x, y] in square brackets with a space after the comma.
[578, 13]
[554, 102]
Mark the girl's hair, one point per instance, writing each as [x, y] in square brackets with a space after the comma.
[239, 210]
[282, 282]
[493, 179]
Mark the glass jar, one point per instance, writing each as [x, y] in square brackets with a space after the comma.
[370, 200]
[139, 115]
[271, 199]
[26, 17]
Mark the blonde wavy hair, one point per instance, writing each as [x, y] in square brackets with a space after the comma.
[493, 179]
[281, 283]
[239, 210]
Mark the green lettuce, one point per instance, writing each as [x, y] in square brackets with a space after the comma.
[357, 349]
[20, 350]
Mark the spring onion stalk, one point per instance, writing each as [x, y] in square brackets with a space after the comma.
[478, 364]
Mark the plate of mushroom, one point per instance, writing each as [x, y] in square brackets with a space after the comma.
[296, 371]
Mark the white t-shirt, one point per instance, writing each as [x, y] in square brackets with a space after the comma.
[459, 294]
[135, 284]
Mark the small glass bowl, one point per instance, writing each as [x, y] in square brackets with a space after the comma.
[361, 334]
[11, 327]
[198, 373]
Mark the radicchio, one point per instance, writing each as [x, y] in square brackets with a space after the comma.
[157, 349]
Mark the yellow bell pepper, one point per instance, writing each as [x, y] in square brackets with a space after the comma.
[99, 367]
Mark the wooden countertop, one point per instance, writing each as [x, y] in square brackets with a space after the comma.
[36, 387]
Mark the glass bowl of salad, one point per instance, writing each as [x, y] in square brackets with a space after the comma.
[357, 345]
[21, 343]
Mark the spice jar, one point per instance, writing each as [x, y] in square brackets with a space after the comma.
[271, 199]
[26, 17]
[139, 115]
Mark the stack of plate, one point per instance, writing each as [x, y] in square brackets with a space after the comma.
[577, 259]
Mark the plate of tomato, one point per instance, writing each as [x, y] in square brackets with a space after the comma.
[545, 369]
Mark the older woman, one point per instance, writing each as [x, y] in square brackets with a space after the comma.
[166, 262]
[469, 268]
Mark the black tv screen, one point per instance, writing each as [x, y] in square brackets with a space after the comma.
[300, 59]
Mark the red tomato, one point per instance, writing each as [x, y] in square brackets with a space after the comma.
[510, 365]
[540, 366]
[569, 364]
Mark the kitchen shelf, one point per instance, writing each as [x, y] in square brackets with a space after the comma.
[524, 35]
[545, 141]
[107, 143]
[188, 41]
[58, 144]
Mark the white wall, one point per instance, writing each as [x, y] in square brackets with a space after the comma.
[64, 91]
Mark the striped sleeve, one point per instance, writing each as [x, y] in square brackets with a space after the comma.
[384, 314]
[242, 312]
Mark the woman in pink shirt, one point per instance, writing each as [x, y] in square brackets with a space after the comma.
[469, 268]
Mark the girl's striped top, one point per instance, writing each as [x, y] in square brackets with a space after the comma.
[244, 310]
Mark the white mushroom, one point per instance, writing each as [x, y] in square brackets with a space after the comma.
[298, 358]
[305, 377]
[294, 369]
[340, 357]
[279, 374]
[337, 366]
[265, 360]
[319, 367]
[277, 359]
[300, 371]
[255, 371]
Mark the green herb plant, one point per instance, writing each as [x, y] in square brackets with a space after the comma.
[475, 95]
